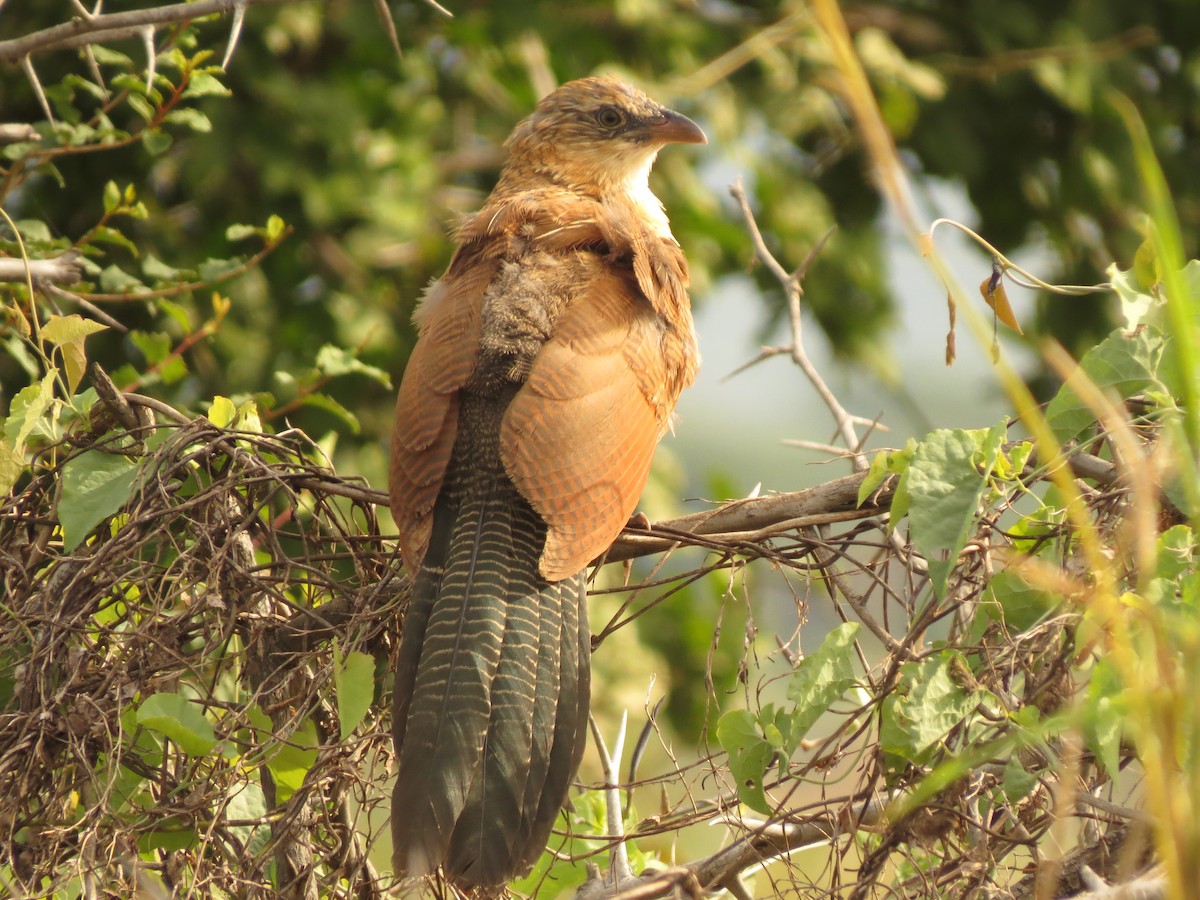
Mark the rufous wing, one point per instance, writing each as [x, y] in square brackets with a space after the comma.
[577, 440]
[427, 405]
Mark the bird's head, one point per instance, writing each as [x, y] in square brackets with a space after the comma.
[597, 133]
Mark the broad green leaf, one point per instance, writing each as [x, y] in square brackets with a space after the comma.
[247, 804]
[945, 481]
[171, 834]
[27, 407]
[354, 679]
[1103, 711]
[178, 718]
[930, 705]
[334, 361]
[819, 680]
[1123, 364]
[1017, 781]
[1136, 303]
[295, 757]
[94, 486]
[749, 756]
[1015, 603]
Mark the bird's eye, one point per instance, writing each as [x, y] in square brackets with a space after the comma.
[609, 116]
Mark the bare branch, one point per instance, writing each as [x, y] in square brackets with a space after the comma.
[16, 132]
[62, 269]
[793, 290]
[115, 26]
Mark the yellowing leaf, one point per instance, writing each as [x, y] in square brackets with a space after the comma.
[68, 329]
[221, 412]
[993, 292]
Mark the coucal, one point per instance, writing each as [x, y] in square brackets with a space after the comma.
[550, 357]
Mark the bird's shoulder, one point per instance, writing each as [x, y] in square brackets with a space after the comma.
[518, 225]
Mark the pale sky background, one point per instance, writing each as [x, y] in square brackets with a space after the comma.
[739, 425]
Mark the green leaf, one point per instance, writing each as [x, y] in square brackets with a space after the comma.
[334, 361]
[94, 486]
[26, 409]
[214, 269]
[1017, 782]
[155, 140]
[295, 757]
[105, 234]
[945, 481]
[157, 270]
[874, 477]
[189, 118]
[1015, 603]
[249, 804]
[106, 56]
[819, 680]
[275, 227]
[115, 280]
[155, 345]
[178, 312]
[112, 196]
[202, 84]
[1136, 303]
[1103, 711]
[749, 756]
[1123, 364]
[140, 104]
[181, 720]
[931, 704]
[354, 678]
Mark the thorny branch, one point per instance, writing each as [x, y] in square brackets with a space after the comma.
[793, 289]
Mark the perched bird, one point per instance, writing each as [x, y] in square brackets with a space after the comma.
[550, 357]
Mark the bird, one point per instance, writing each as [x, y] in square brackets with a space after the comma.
[548, 362]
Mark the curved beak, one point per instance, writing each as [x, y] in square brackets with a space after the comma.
[674, 128]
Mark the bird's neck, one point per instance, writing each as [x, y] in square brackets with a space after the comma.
[628, 191]
[636, 190]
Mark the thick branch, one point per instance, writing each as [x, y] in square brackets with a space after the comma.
[81, 31]
[59, 270]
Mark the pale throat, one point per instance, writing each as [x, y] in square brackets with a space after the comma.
[636, 187]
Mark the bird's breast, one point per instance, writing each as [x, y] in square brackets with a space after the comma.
[522, 306]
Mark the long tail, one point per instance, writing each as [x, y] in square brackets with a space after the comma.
[492, 686]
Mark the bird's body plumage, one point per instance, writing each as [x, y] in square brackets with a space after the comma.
[550, 357]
